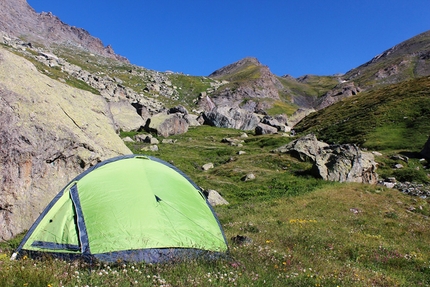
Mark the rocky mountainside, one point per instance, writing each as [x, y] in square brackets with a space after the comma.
[18, 19]
[407, 60]
[248, 79]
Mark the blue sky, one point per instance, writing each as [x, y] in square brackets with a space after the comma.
[294, 37]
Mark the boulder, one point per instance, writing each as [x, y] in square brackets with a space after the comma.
[207, 166]
[305, 148]
[276, 122]
[49, 133]
[178, 109]
[226, 117]
[346, 163]
[125, 116]
[214, 197]
[248, 177]
[233, 141]
[192, 120]
[343, 163]
[263, 129]
[167, 124]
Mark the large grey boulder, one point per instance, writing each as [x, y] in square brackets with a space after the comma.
[343, 163]
[125, 116]
[263, 129]
[426, 150]
[346, 163]
[305, 148]
[167, 124]
[49, 133]
[214, 198]
[226, 117]
[278, 122]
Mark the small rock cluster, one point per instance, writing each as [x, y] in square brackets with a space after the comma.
[414, 189]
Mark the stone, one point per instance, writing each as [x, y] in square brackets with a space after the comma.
[248, 177]
[208, 166]
[193, 120]
[305, 148]
[278, 122]
[150, 148]
[167, 124]
[150, 139]
[214, 197]
[263, 129]
[346, 163]
[178, 109]
[125, 116]
[168, 141]
[343, 163]
[400, 157]
[128, 139]
[226, 117]
[233, 141]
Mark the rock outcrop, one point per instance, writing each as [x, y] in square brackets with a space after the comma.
[125, 116]
[50, 133]
[343, 163]
[226, 117]
[305, 148]
[165, 124]
[341, 91]
[346, 163]
[246, 91]
[263, 129]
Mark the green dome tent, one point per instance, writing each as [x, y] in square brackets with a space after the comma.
[129, 208]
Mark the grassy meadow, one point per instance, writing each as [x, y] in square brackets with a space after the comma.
[300, 231]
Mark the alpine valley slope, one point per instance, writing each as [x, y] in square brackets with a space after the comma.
[52, 128]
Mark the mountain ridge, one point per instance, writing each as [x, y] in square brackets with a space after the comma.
[19, 19]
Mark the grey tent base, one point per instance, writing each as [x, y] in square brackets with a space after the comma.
[161, 255]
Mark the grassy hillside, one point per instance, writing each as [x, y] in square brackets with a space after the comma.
[396, 117]
[301, 231]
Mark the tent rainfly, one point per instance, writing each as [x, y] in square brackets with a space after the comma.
[131, 208]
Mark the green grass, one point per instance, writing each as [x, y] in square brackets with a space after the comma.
[302, 231]
[338, 235]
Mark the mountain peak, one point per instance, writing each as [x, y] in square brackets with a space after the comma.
[236, 66]
[18, 19]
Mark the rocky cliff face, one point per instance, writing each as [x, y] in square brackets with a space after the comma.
[50, 133]
[18, 19]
